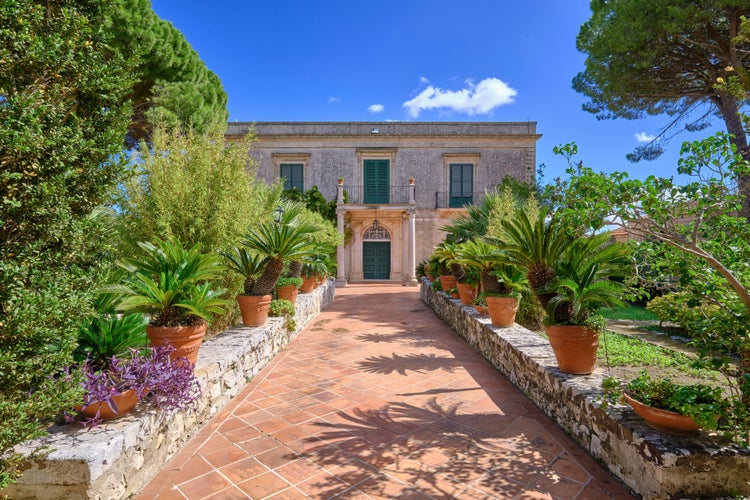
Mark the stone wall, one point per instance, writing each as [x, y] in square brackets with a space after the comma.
[117, 459]
[652, 464]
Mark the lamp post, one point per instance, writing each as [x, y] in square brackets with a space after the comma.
[278, 214]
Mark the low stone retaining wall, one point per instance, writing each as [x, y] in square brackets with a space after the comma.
[652, 464]
[117, 459]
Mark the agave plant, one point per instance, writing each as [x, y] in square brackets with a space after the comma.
[170, 284]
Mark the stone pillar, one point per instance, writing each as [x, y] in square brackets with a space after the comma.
[411, 278]
[340, 254]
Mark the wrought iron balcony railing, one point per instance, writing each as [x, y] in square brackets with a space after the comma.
[362, 195]
[445, 199]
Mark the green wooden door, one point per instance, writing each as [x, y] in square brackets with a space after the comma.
[376, 260]
[376, 181]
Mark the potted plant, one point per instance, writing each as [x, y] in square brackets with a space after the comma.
[311, 271]
[666, 406]
[581, 286]
[283, 308]
[451, 270]
[286, 288]
[480, 304]
[502, 305]
[277, 241]
[115, 388]
[171, 285]
[249, 265]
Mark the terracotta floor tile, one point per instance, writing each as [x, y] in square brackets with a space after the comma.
[231, 493]
[365, 405]
[264, 485]
[243, 470]
[205, 485]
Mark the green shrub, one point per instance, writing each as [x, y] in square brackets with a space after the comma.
[681, 308]
[191, 187]
[283, 308]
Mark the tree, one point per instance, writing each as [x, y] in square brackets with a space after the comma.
[705, 238]
[174, 86]
[64, 114]
[668, 57]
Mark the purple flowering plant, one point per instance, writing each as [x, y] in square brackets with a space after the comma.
[168, 384]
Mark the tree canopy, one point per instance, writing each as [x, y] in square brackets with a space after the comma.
[667, 57]
[174, 86]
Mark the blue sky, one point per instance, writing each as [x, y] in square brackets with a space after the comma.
[414, 60]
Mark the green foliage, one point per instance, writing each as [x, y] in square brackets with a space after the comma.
[64, 115]
[174, 87]
[247, 264]
[702, 402]
[631, 312]
[192, 187]
[664, 57]
[287, 281]
[283, 308]
[171, 284]
[681, 308]
[103, 337]
[289, 239]
[314, 201]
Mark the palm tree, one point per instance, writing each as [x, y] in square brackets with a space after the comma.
[447, 254]
[535, 246]
[248, 264]
[278, 241]
[484, 258]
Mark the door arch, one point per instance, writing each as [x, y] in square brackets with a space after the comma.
[376, 252]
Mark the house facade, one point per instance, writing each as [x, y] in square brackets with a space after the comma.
[396, 183]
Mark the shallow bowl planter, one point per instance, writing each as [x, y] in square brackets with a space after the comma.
[664, 420]
[254, 309]
[124, 402]
[575, 348]
[502, 310]
[185, 339]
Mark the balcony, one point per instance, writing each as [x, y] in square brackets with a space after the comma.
[392, 195]
[445, 199]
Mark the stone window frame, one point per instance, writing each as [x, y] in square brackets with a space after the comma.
[293, 158]
[463, 158]
[376, 154]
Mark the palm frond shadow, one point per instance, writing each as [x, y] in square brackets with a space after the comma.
[492, 452]
[419, 363]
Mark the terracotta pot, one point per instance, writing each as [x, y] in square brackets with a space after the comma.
[448, 281]
[254, 309]
[308, 285]
[466, 293]
[481, 309]
[185, 339]
[288, 292]
[575, 348]
[319, 280]
[502, 310]
[663, 420]
[125, 403]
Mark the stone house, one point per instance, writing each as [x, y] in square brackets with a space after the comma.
[397, 183]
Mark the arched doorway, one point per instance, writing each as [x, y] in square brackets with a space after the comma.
[376, 253]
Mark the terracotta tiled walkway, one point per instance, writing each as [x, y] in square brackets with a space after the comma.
[378, 399]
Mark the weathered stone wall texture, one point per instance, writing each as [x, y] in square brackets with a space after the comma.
[652, 464]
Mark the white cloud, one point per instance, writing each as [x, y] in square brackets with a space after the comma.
[474, 100]
[333, 99]
[376, 108]
[424, 80]
[644, 137]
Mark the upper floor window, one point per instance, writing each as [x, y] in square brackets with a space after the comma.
[293, 175]
[461, 184]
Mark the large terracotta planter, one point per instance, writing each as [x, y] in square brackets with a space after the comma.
[254, 309]
[124, 402]
[466, 292]
[308, 285]
[288, 292]
[575, 348]
[502, 310]
[663, 420]
[185, 339]
[447, 281]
